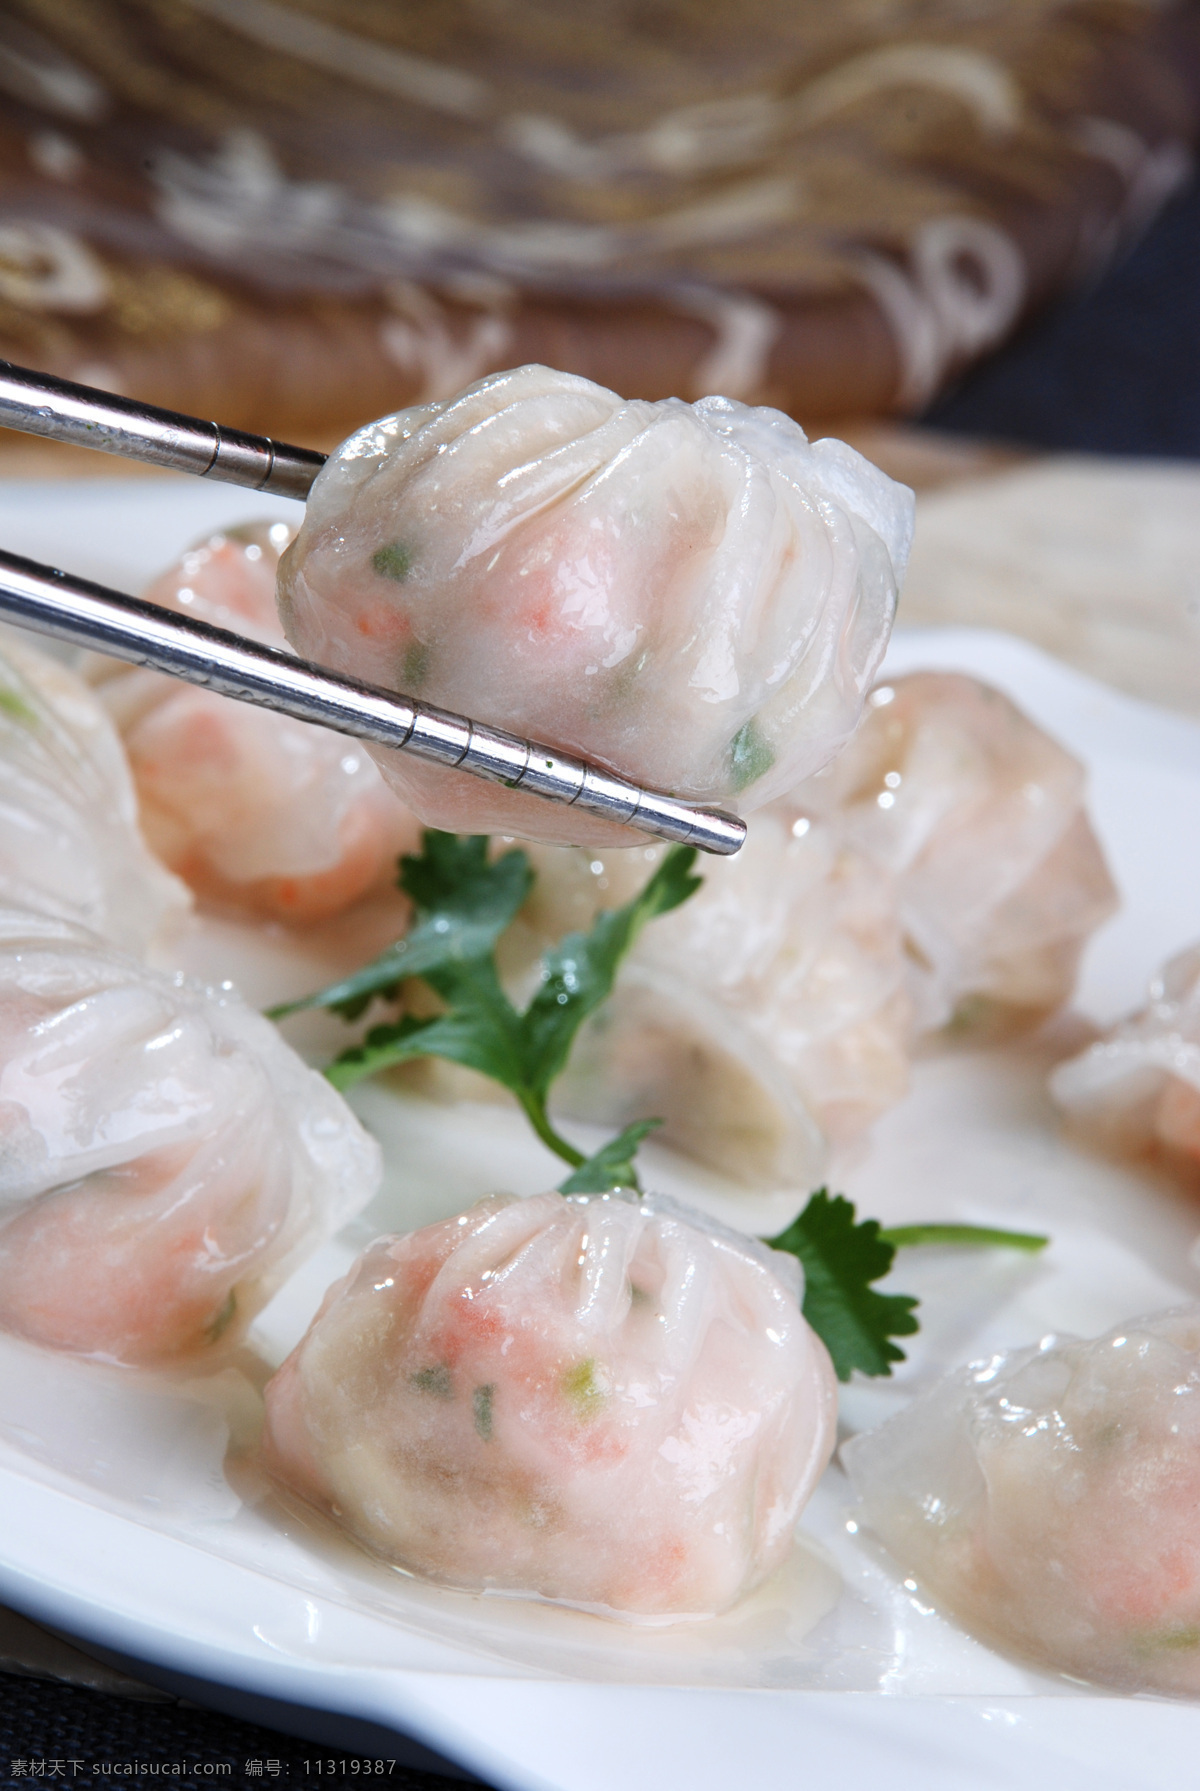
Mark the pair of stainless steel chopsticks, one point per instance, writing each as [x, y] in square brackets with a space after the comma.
[51, 602]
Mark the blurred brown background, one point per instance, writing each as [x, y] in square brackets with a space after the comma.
[297, 214]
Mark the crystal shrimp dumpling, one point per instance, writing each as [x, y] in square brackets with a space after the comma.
[1138, 1087]
[977, 817]
[70, 845]
[763, 1019]
[1049, 1498]
[693, 595]
[593, 1400]
[165, 1159]
[255, 810]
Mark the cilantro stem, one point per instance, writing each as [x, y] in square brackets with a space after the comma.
[981, 1236]
[535, 1113]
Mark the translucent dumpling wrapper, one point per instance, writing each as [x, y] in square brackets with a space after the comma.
[1048, 1498]
[690, 594]
[591, 1400]
[165, 1159]
[978, 816]
[764, 1019]
[70, 845]
[253, 809]
[1139, 1086]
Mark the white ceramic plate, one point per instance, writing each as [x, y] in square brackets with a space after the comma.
[122, 1526]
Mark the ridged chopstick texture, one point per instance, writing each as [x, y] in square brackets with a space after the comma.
[84, 614]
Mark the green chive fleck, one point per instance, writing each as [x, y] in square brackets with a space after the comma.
[749, 756]
[223, 1319]
[584, 1388]
[17, 709]
[393, 561]
[1175, 1641]
[481, 1400]
[414, 665]
[434, 1380]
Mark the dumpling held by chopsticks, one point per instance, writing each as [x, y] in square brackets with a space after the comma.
[693, 595]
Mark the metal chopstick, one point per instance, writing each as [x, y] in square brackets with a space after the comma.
[50, 602]
[39, 404]
[88, 615]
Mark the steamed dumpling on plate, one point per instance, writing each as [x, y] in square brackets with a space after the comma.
[691, 594]
[978, 816]
[1139, 1085]
[763, 1021]
[594, 1400]
[70, 844]
[254, 810]
[165, 1159]
[1048, 1497]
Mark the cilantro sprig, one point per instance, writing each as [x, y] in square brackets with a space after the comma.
[464, 901]
[841, 1257]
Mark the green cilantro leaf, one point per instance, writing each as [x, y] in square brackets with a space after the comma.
[841, 1257]
[580, 971]
[463, 902]
[480, 1034]
[612, 1165]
